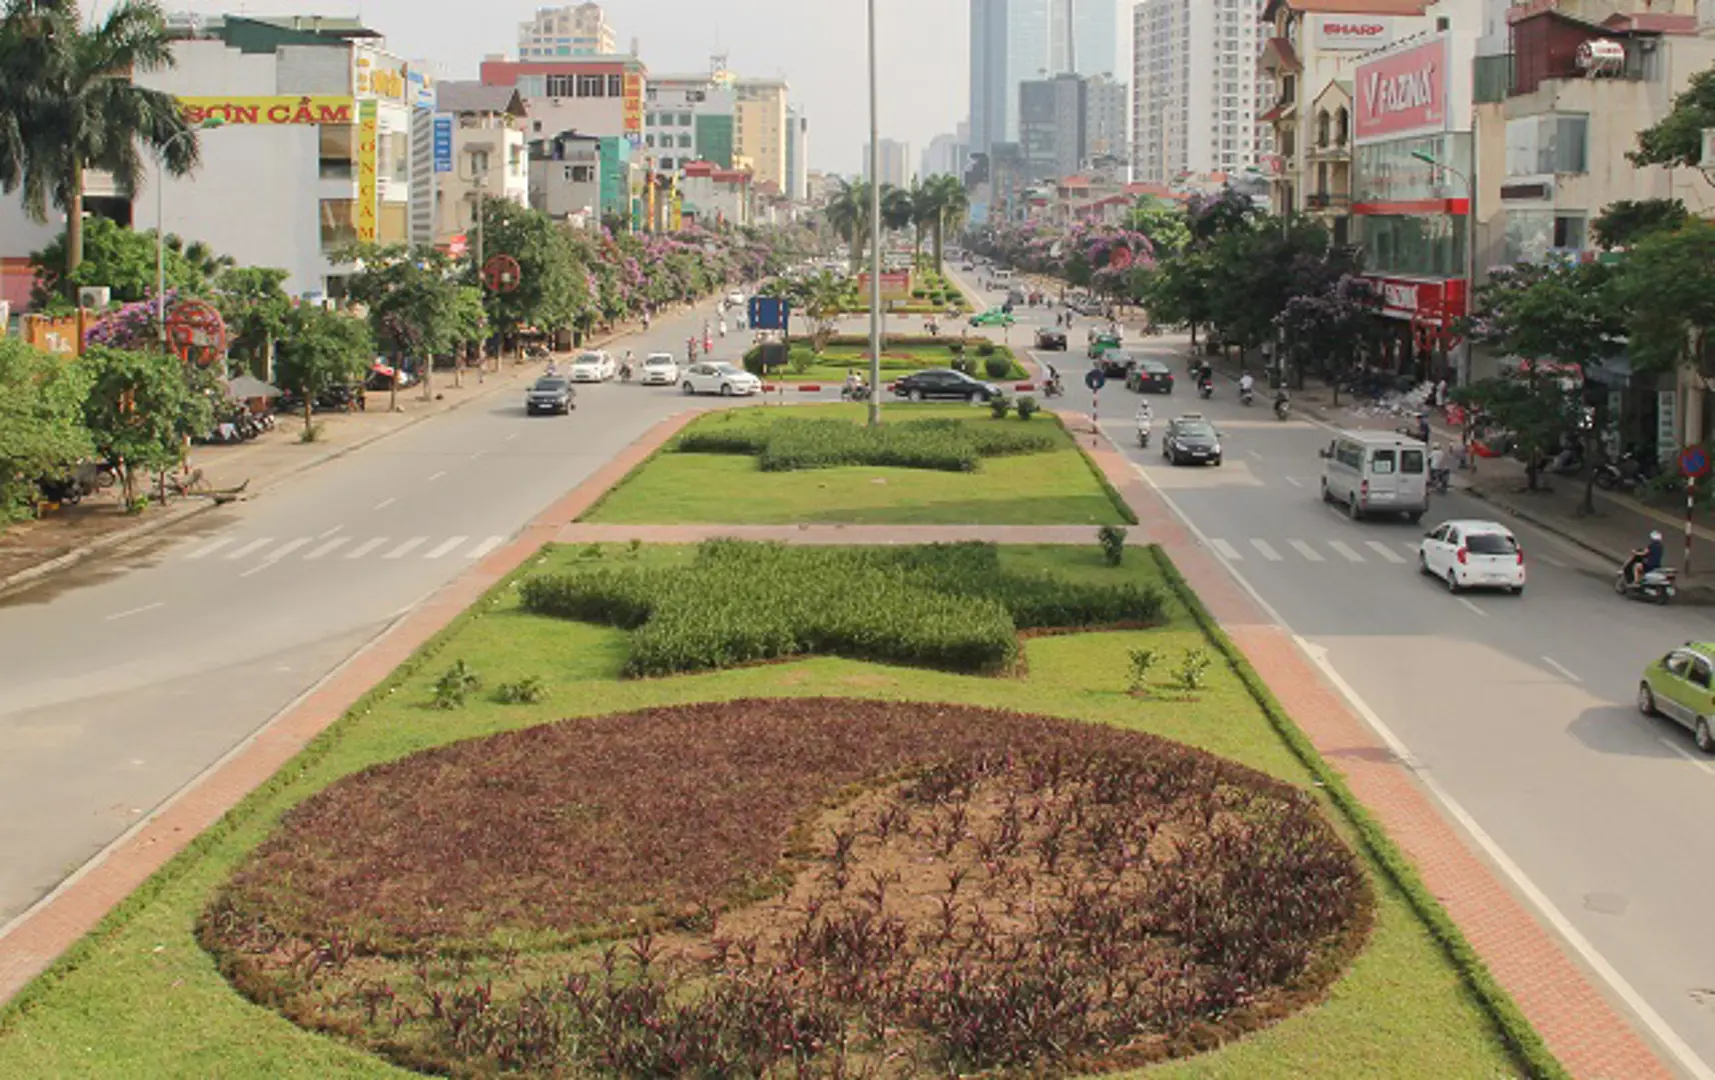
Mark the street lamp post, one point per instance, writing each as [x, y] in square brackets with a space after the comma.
[1470, 256]
[874, 237]
[161, 224]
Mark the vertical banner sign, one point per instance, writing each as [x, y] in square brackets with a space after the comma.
[368, 135]
[633, 103]
[443, 144]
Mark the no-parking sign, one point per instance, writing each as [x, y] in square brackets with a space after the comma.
[1095, 380]
[1694, 462]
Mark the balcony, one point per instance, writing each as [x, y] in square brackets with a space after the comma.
[1327, 202]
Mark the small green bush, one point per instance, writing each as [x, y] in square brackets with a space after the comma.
[1112, 539]
[985, 347]
[965, 364]
[997, 366]
[999, 406]
[1193, 670]
[800, 362]
[957, 348]
[530, 690]
[1027, 407]
[455, 685]
[1141, 661]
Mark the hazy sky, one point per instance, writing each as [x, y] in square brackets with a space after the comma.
[817, 45]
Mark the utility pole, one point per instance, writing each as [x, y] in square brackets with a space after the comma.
[874, 237]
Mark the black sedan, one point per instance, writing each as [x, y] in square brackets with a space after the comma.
[944, 384]
[550, 394]
[1191, 438]
[1150, 377]
[1051, 340]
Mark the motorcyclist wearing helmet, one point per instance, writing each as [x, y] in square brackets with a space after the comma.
[1646, 559]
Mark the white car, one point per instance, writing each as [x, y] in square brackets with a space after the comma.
[1473, 554]
[735, 299]
[592, 367]
[720, 378]
[659, 369]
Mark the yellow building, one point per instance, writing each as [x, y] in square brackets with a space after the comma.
[759, 129]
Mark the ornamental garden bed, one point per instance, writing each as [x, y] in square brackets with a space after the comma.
[900, 356]
[715, 471]
[757, 866]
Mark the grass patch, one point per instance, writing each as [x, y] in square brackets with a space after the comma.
[1057, 486]
[139, 997]
[948, 606]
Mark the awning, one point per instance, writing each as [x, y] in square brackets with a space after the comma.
[246, 387]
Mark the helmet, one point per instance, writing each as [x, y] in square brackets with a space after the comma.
[1655, 534]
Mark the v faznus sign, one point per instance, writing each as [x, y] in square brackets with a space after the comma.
[1403, 93]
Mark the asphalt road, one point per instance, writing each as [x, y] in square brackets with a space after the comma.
[125, 678]
[1518, 711]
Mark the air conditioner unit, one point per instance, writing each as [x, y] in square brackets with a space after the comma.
[94, 296]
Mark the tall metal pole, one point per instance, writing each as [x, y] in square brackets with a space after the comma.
[874, 237]
[1470, 273]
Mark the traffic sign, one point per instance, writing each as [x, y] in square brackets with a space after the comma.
[501, 273]
[1095, 380]
[1694, 462]
[769, 313]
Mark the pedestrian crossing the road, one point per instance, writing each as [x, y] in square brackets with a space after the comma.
[1336, 552]
[268, 550]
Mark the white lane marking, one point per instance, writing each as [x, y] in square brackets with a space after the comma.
[1265, 549]
[1472, 606]
[259, 567]
[116, 616]
[1345, 551]
[210, 548]
[407, 547]
[1701, 763]
[1384, 551]
[1307, 551]
[1227, 550]
[1317, 655]
[329, 533]
[287, 548]
[1562, 668]
[366, 547]
[327, 548]
[1293, 480]
[385, 503]
[249, 549]
[1255, 454]
[476, 455]
[446, 547]
[485, 547]
[1550, 560]
[438, 475]
[512, 436]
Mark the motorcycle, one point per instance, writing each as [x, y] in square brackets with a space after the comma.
[1246, 395]
[1622, 475]
[1282, 409]
[1143, 432]
[1052, 387]
[860, 392]
[1658, 586]
[536, 352]
[1205, 390]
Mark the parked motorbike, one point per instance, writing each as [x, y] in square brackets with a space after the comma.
[536, 352]
[1622, 475]
[1657, 586]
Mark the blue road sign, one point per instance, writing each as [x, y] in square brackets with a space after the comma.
[443, 144]
[769, 313]
[1095, 380]
[1694, 462]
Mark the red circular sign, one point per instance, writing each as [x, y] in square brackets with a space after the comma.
[501, 273]
[196, 332]
[1694, 462]
[1120, 257]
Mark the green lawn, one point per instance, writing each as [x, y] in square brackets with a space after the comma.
[1055, 488]
[141, 999]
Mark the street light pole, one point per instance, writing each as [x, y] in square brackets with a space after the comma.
[161, 223]
[874, 237]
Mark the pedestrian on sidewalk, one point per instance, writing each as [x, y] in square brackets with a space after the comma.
[1439, 474]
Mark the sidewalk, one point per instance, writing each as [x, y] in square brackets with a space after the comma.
[31, 550]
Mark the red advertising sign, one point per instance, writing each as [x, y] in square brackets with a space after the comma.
[1421, 301]
[1403, 93]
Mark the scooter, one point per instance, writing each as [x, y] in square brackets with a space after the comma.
[1206, 390]
[1052, 387]
[859, 392]
[1657, 586]
[1282, 409]
[1246, 396]
[1143, 432]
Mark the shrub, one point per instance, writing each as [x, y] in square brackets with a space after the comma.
[919, 294]
[999, 406]
[1112, 539]
[965, 364]
[455, 685]
[997, 366]
[957, 348]
[526, 691]
[800, 362]
[1141, 661]
[788, 445]
[985, 347]
[1027, 407]
[1193, 670]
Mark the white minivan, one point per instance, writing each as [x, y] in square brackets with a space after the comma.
[1373, 472]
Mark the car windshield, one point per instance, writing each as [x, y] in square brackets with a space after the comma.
[1154, 367]
[550, 384]
[1195, 428]
[588, 358]
[658, 361]
[727, 369]
[1490, 544]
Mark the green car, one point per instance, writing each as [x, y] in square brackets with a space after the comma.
[1679, 686]
[1101, 344]
[993, 317]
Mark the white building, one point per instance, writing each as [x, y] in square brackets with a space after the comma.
[1107, 120]
[565, 178]
[485, 124]
[944, 155]
[894, 164]
[565, 31]
[1196, 87]
[688, 118]
[715, 196]
[797, 153]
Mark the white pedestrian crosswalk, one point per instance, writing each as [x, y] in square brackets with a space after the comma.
[1396, 552]
[268, 550]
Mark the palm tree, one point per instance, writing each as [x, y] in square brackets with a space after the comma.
[898, 208]
[68, 105]
[848, 213]
[947, 195]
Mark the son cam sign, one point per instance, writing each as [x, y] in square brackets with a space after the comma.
[1403, 93]
[1350, 33]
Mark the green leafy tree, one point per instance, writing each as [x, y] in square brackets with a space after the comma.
[1676, 140]
[1330, 330]
[143, 408]
[1535, 407]
[121, 259]
[321, 349]
[1668, 292]
[551, 292]
[1257, 268]
[1164, 224]
[41, 421]
[1622, 224]
[898, 208]
[410, 295]
[848, 213]
[68, 112]
[253, 301]
[951, 204]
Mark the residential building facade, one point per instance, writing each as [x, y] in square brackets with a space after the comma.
[1195, 87]
[714, 196]
[1107, 119]
[688, 118]
[565, 178]
[797, 154]
[759, 129]
[1052, 116]
[943, 156]
[488, 157]
[597, 95]
[565, 31]
[894, 165]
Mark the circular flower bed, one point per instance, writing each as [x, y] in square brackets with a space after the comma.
[826, 887]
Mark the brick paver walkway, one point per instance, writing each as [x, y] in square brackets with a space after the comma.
[1583, 1029]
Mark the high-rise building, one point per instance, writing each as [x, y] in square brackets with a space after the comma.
[945, 155]
[565, 31]
[895, 163]
[1195, 87]
[688, 118]
[1052, 118]
[1108, 116]
[988, 74]
[759, 129]
[1027, 54]
[797, 153]
[1093, 25]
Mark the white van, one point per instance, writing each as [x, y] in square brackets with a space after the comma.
[1001, 275]
[1372, 472]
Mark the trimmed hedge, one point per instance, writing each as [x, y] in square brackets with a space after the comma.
[1532, 1054]
[945, 606]
[790, 445]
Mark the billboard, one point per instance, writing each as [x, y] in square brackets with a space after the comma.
[1403, 93]
[443, 144]
[267, 111]
[634, 105]
[379, 75]
[895, 286]
[1350, 33]
[420, 86]
[368, 136]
